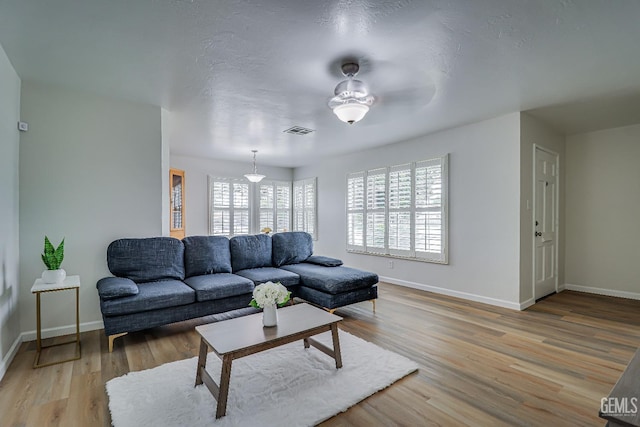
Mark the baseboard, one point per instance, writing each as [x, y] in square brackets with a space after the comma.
[602, 291]
[452, 293]
[8, 358]
[528, 303]
[62, 330]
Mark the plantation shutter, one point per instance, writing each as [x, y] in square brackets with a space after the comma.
[267, 206]
[229, 207]
[400, 210]
[375, 220]
[355, 211]
[240, 196]
[430, 211]
[283, 206]
[275, 206]
[304, 206]
[220, 206]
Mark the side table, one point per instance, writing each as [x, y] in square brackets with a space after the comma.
[39, 287]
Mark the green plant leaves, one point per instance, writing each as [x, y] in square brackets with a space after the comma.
[52, 257]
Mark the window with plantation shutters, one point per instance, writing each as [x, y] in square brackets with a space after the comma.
[237, 206]
[376, 211]
[275, 206]
[399, 211]
[304, 206]
[355, 211]
[429, 214]
[229, 206]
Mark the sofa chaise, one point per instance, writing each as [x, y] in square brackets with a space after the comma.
[161, 280]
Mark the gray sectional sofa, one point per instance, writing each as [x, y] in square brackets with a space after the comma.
[162, 280]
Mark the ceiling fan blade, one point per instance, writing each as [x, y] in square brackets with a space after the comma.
[416, 97]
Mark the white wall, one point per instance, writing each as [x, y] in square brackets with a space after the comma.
[9, 245]
[197, 194]
[603, 211]
[90, 171]
[533, 131]
[484, 217]
[166, 159]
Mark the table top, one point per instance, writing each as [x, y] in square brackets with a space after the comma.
[243, 332]
[70, 282]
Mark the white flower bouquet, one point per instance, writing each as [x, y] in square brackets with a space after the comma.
[269, 293]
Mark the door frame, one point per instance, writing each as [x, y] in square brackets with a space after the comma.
[556, 215]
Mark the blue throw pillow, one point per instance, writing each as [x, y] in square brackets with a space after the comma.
[206, 255]
[291, 247]
[116, 287]
[146, 260]
[250, 251]
[324, 261]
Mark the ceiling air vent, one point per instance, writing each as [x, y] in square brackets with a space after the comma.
[298, 130]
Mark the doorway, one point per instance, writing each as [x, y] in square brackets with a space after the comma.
[545, 226]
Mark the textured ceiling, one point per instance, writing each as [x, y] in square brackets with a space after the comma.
[234, 74]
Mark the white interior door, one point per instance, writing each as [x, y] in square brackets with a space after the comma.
[546, 223]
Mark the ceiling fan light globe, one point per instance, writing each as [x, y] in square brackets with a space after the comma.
[351, 112]
[254, 177]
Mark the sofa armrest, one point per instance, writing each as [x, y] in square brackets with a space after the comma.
[116, 287]
[324, 261]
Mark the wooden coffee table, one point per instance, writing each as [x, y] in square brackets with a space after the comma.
[242, 336]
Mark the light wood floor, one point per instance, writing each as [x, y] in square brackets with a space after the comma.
[479, 365]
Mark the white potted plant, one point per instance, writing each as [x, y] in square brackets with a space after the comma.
[52, 258]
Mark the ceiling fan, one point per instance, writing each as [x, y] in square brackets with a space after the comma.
[352, 99]
[399, 91]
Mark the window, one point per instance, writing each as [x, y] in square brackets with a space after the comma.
[375, 208]
[304, 207]
[239, 207]
[399, 211]
[229, 199]
[275, 206]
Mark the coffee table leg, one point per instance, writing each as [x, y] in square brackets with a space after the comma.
[202, 361]
[225, 376]
[336, 345]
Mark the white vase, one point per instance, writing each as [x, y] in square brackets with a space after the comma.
[270, 315]
[54, 276]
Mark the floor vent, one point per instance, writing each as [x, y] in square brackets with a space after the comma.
[298, 130]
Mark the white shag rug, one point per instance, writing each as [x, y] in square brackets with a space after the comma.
[285, 386]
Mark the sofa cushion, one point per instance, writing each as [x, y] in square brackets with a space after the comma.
[116, 287]
[331, 301]
[266, 274]
[206, 255]
[324, 260]
[250, 251]
[151, 296]
[145, 260]
[332, 280]
[220, 285]
[292, 247]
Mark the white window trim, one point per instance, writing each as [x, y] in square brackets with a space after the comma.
[412, 254]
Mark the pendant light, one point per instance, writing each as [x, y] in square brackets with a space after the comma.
[255, 176]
